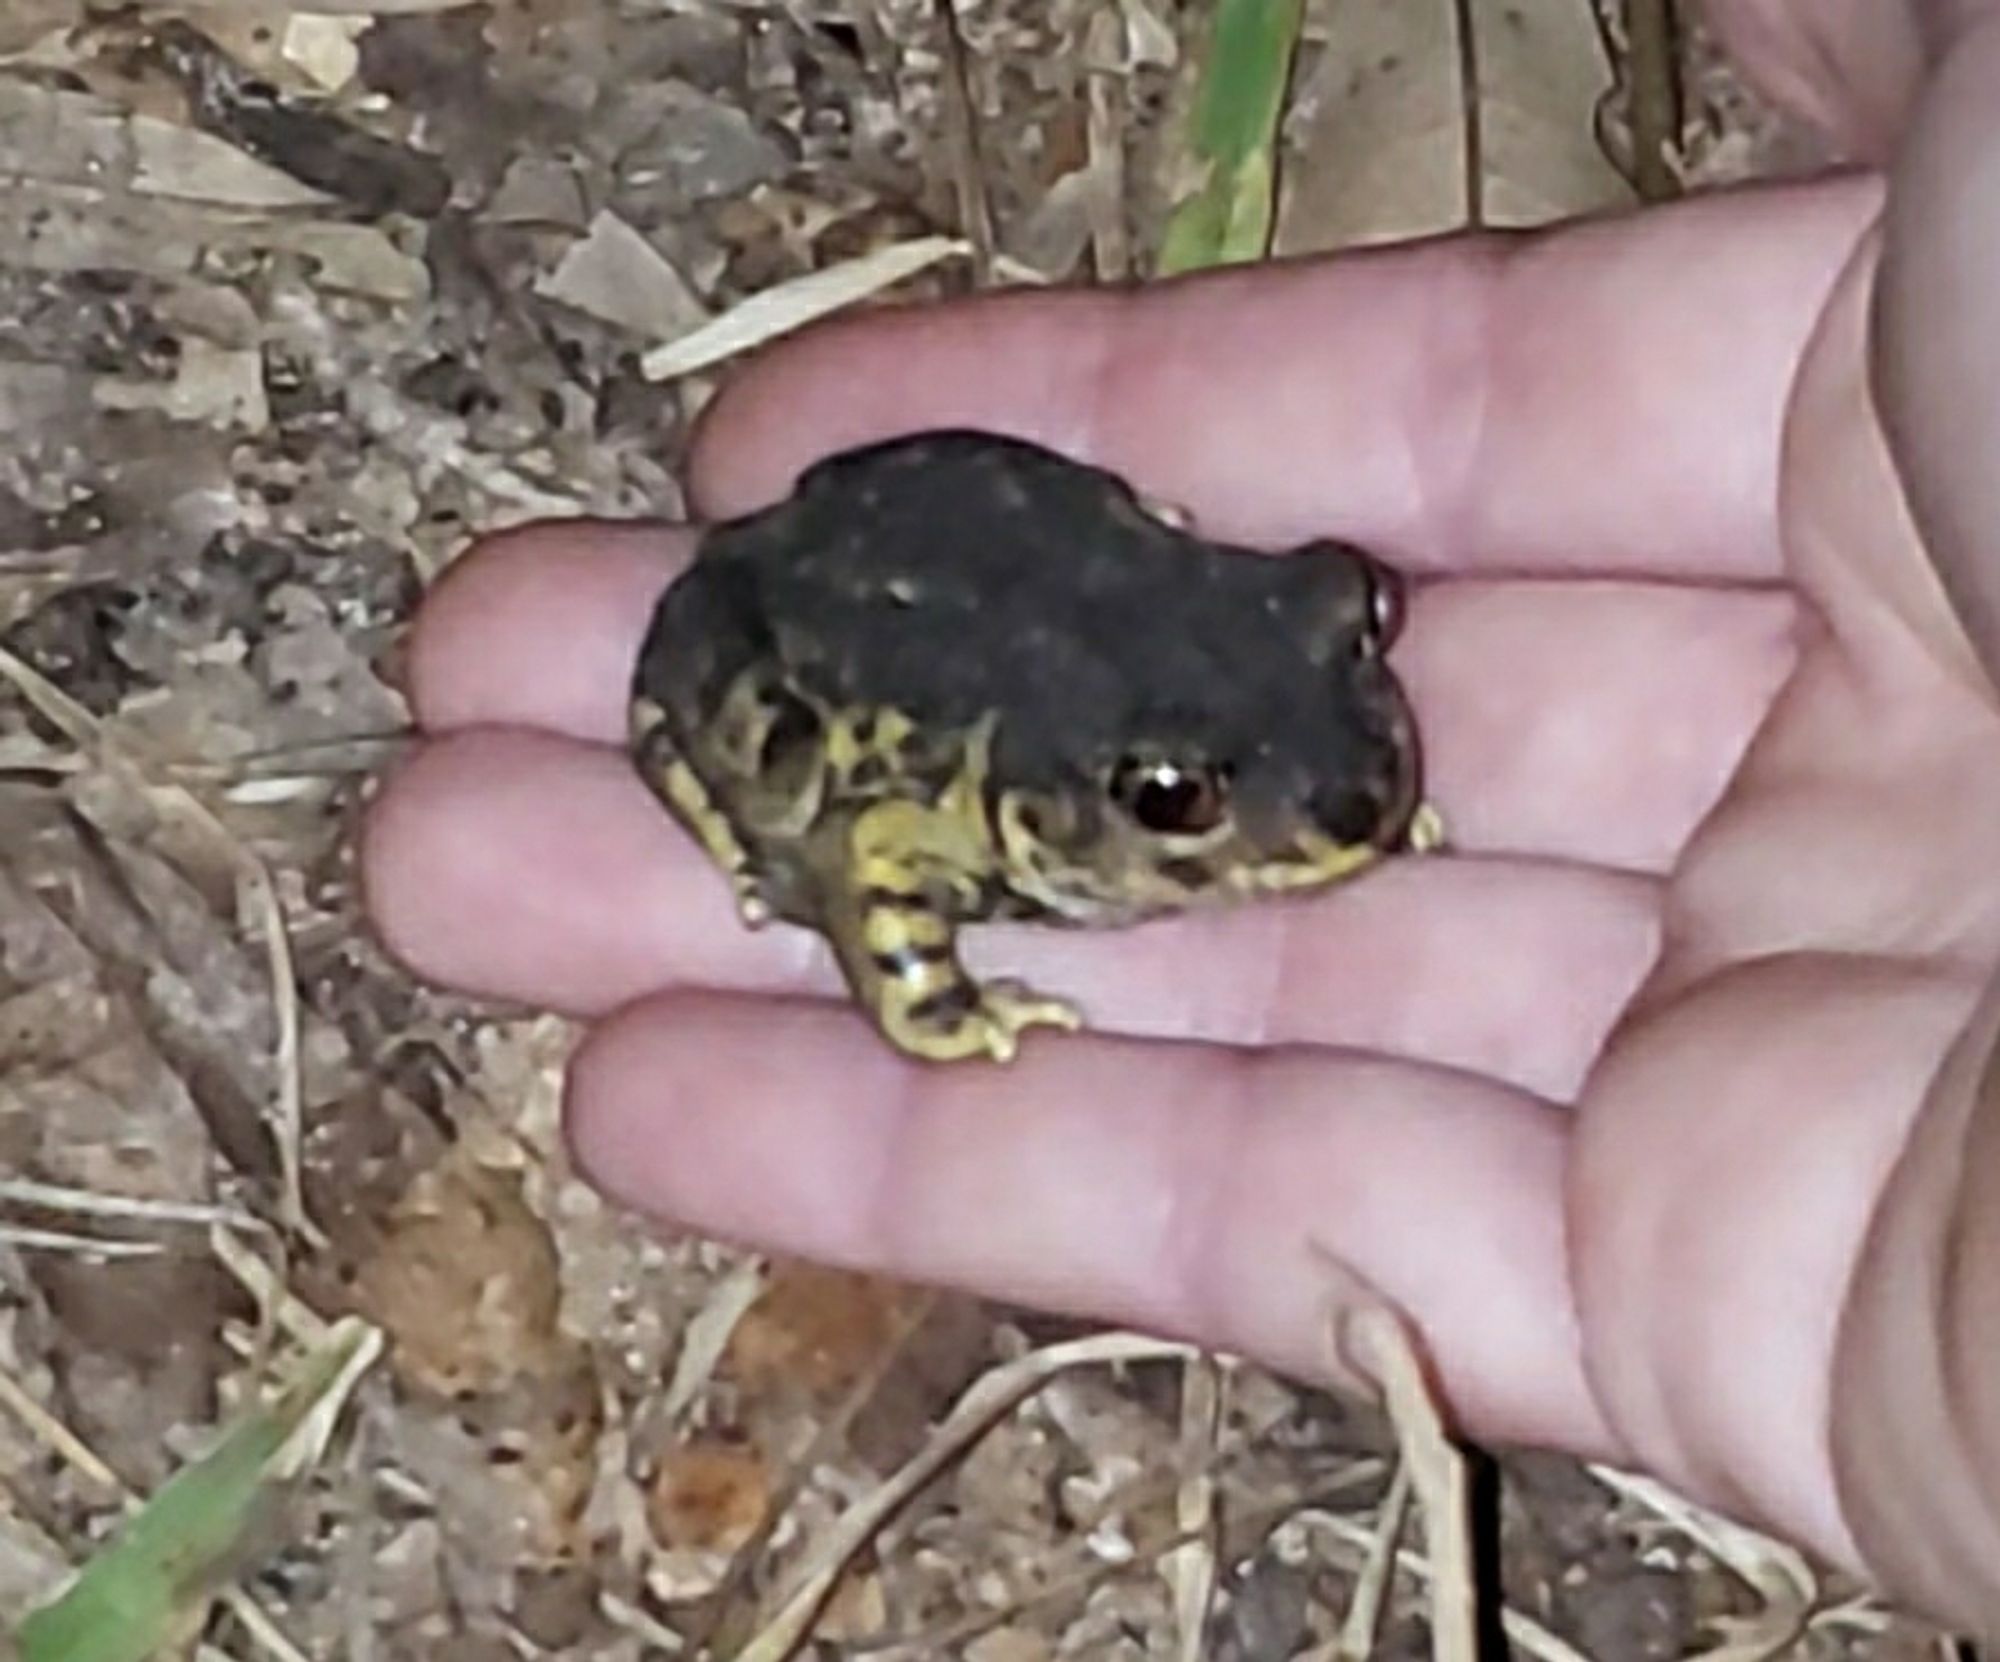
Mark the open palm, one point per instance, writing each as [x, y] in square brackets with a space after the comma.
[1605, 1099]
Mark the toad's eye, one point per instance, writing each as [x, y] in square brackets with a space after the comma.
[1169, 799]
[1385, 608]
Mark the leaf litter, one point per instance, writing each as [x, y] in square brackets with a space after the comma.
[293, 301]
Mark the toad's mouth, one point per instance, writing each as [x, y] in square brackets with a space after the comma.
[1316, 858]
[1315, 861]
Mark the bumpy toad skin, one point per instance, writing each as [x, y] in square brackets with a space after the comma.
[957, 677]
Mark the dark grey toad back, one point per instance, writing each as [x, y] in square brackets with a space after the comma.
[955, 574]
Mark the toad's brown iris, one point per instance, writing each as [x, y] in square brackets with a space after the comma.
[1170, 799]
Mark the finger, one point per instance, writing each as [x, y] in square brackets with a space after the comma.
[1730, 1167]
[540, 627]
[1935, 347]
[1847, 67]
[1593, 721]
[1607, 398]
[517, 866]
[1183, 1188]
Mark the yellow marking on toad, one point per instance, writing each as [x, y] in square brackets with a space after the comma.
[668, 772]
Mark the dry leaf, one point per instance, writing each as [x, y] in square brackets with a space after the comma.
[857, 1611]
[615, 274]
[75, 139]
[93, 1100]
[213, 386]
[539, 190]
[1010, 1644]
[464, 1281]
[335, 8]
[711, 1496]
[1383, 142]
[76, 228]
[815, 1330]
[304, 53]
[27, 23]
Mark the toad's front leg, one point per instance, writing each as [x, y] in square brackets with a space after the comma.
[890, 924]
[663, 766]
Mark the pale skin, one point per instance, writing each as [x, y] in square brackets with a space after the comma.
[1657, 1110]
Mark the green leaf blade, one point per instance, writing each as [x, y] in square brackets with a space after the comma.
[1233, 137]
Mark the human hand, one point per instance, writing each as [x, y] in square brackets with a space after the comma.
[1606, 1105]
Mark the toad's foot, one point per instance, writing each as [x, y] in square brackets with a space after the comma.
[753, 907]
[1426, 834]
[912, 872]
[969, 1019]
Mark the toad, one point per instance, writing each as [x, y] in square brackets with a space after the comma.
[957, 677]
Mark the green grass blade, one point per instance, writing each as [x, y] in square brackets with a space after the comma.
[1234, 136]
[151, 1587]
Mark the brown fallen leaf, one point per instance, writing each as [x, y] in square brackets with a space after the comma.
[815, 1331]
[1423, 116]
[464, 1281]
[710, 1494]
